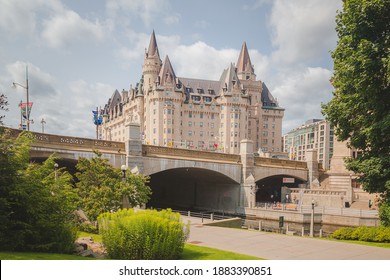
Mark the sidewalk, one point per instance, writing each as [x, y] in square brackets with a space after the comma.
[274, 246]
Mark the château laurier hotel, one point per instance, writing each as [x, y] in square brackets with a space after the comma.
[193, 113]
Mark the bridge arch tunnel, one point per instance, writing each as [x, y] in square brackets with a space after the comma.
[194, 189]
[69, 164]
[275, 188]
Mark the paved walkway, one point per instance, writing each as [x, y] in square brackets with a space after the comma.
[279, 247]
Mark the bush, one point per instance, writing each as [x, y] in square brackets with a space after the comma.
[143, 235]
[369, 234]
[384, 214]
[36, 211]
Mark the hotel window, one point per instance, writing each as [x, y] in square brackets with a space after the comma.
[201, 124]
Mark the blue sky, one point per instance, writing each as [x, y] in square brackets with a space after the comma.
[79, 52]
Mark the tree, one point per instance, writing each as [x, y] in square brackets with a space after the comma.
[3, 106]
[101, 188]
[360, 108]
[36, 210]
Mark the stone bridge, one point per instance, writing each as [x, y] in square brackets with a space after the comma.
[181, 177]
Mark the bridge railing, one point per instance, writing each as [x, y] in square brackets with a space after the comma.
[341, 211]
[263, 161]
[69, 142]
[158, 151]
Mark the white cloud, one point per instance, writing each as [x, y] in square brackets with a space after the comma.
[256, 5]
[301, 95]
[65, 28]
[23, 17]
[146, 10]
[172, 19]
[303, 31]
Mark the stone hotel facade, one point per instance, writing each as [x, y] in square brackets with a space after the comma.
[193, 113]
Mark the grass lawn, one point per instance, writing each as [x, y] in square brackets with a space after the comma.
[38, 256]
[375, 244]
[195, 252]
[190, 252]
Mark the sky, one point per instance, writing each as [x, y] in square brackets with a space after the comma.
[78, 52]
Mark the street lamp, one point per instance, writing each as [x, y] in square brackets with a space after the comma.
[123, 168]
[312, 219]
[55, 171]
[43, 122]
[14, 84]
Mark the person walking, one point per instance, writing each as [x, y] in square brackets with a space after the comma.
[369, 203]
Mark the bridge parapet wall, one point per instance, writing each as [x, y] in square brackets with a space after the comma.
[165, 152]
[283, 163]
[72, 143]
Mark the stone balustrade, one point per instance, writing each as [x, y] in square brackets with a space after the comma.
[63, 142]
[158, 151]
[263, 161]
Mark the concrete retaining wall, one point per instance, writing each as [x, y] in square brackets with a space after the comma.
[229, 223]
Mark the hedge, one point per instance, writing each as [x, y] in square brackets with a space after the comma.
[143, 235]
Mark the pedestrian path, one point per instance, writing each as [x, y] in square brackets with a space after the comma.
[278, 246]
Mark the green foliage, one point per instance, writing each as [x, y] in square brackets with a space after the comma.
[143, 235]
[3, 106]
[101, 187]
[370, 234]
[360, 110]
[36, 212]
[384, 214]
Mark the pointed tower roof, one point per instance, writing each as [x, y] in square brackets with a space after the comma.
[167, 75]
[244, 63]
[267, 99]
[229, 78]
[153, 49]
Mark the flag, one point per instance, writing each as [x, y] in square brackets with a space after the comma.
[97, 117]
[23, 108]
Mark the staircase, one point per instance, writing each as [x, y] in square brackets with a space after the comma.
[361, 198]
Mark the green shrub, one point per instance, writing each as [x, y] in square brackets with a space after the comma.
[88, 227]
[370, 234]
[384, 214]
[343, 233]
[143, 235]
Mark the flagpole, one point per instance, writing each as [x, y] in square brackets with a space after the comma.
[97, 124]
[27, 109]
[21, 114]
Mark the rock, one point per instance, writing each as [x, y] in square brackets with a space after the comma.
[85, 246]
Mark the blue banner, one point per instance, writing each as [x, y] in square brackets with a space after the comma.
[97, 117]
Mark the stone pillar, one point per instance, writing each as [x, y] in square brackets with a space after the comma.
[133, 144]
[248, 183]
[312, 166]
[339, 177]
[340, 153]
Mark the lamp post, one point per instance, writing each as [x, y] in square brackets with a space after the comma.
[43, 122]
[14, 84]
[55, 171]
[312, 219]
